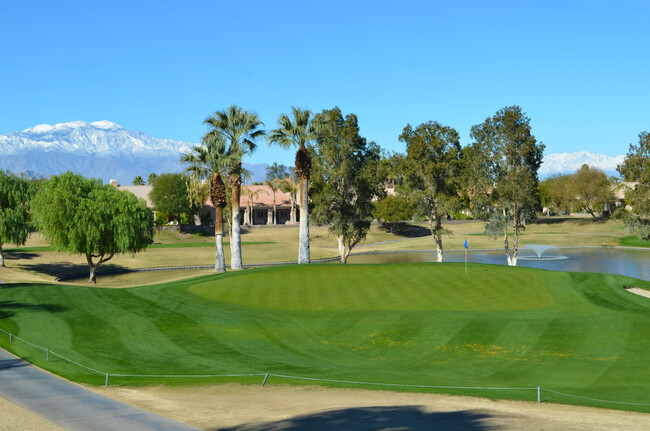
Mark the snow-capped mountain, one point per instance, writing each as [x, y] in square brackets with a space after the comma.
[569, 163]
[96, 138]
[100, 149]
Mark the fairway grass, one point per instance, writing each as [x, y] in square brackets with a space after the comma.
[409, 324]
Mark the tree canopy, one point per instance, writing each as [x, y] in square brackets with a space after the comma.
[591, 190]
[431, 168]
[511, 156]
[81, 216]
[169, 195]
[636, 169]
[15, 219]
[345, 179]
[393, 209]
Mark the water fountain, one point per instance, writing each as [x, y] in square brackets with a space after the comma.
[540, 252]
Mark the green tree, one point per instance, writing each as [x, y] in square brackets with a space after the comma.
[431, 168]
[298, 131]
[591, 190]
[557, 193]
[475, 183]
[346, 179]
[152, 177]
[636, 169]
[138, 181]
[513, 157]
[81, 216]
[15, 219]
[210, 160]
[239, 129]
[169, 195]
[392, 210]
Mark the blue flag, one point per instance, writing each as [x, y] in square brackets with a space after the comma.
[465, 243]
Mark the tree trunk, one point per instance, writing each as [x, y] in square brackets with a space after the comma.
[2, 257]
[437, 236]
[93, 274]
[235, 238]
[344, 252]
[303, 242]
[92, 278]
[292, 216]
[220, 262]
[275, 218]
[439, 250]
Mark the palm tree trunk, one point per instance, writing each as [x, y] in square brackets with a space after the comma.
[303, 242]
[220, 262]
[2, 257]
[235, 238]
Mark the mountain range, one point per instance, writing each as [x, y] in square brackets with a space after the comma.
[100, 149]
[105, 150]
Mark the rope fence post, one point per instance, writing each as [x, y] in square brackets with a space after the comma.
[11, 339]
[539, 394]
[265, 378]
[47, 354]
[106, 383]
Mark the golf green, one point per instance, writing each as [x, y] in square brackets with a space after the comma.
[412, 324]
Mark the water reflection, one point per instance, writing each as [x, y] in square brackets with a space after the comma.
[633, 263]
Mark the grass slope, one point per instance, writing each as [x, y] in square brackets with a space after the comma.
[426, 324]
[634, 241]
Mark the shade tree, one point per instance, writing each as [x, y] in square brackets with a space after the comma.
[431, 168]
[345, 179]
[15, 219]
[511, 155]
[78, 215]
[169, 195]
[635, 169]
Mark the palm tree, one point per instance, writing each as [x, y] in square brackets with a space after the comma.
[239, 129]
[298, 132]
[210, 160]
[290, 186]
[274, 185]
[247, 191]
[138, 181]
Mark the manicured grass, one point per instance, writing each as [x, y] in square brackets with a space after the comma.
[419, 324]
[634, 241]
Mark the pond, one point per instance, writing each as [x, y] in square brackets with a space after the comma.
[631, 262]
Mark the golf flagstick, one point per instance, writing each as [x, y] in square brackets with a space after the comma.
[465, 256]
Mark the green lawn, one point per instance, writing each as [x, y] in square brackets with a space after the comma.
[418, 324]
[634, 241]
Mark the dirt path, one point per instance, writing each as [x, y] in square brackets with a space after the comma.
[280, 407]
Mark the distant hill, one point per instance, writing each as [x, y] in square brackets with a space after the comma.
[100, 149]
[569, 163]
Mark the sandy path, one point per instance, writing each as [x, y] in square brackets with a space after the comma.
[639, 291]
[283, 407]
[14, 417]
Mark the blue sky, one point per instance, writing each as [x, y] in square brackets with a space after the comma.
[580, 70]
